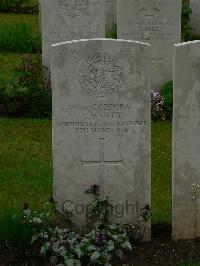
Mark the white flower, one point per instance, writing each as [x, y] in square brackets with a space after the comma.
[37, 220]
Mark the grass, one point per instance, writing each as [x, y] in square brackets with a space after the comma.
[9, 62]
[32, 20]
[26, 166]
[18, 38]
[14, 232]
[25, 159]
[161, 172]
[19, 33]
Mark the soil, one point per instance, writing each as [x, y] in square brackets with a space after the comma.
[160, 251]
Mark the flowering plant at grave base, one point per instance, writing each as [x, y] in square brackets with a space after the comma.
[64, 247]
[104, 241]
[157, 107]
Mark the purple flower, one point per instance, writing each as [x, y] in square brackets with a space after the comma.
[157, 106]
[100, 238]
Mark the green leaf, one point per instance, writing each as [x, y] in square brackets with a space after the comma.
[91, 248]
[43, 250]
[126, 245]
[110, 246]
[69, 262]
[95, 256]
[34, 238]
[78, 251]
[115, 237]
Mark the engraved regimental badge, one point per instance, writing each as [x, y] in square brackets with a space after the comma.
[101, 75]
[149, 8]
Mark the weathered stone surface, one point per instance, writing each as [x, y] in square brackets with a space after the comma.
[102, 126]
[186, 140]
[111, 14]
[66, 20]
[157, 22]
[195, 17]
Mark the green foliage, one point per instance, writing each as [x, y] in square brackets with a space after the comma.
[185, 24]
[113, 33]
[15, 232]
[167, 93]
[26, 94]
[98, 211]
[18, 37]
[37, 102]
[189, 263]
[97, 247]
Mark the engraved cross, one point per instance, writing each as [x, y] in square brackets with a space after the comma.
[102, 163]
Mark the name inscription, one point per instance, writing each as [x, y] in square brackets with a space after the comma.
[100, 127]
[100, 118]
[74, 8]
[148, 30]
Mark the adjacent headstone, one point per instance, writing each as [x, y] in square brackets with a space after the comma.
[102, 127]
[186, 141]
[66, 20]
[157, 22]
[195, 17]
[111, 14]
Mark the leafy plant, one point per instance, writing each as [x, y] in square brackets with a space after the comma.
[37, 102]
[97, 247]
[98, 212]
[167, 94]
[185, 24]
[26, 94]
[189, 263]
[26, 231]
[113, 33]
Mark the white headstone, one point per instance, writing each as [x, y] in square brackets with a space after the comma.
[186, 141]
[111, 14]
[157, 22]
[195, 17]
[66, 20]
[102, 126]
